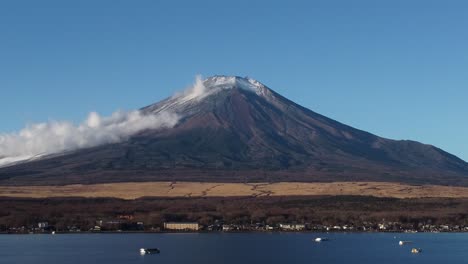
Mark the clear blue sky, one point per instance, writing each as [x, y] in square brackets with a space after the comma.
[398, 69]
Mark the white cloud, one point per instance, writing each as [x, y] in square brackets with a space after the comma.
[58, 136]
[198, 88]
[196, 91]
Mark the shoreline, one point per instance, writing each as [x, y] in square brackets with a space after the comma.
[236, 232]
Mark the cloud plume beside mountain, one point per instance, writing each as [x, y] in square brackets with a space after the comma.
[58, 136]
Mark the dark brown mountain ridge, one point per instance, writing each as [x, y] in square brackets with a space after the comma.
[234, 129]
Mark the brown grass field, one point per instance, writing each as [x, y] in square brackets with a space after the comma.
[134, 190]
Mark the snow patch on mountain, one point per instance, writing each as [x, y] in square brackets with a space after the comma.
[203, 88]
[230, 82]
[12, 160]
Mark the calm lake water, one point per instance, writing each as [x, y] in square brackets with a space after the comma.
[233, 248]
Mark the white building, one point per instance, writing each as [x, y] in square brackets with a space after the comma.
[43, 225]
[292, 227]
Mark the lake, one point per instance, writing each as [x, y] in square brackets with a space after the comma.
[226, 248]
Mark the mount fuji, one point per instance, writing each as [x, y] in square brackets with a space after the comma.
[234, 129]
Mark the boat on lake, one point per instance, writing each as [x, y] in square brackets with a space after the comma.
[402, 242]
[416, 250]
[321, 239]
[144, 251]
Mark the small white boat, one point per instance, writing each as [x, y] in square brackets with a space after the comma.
[53, 233]
[416, 250]
[144, 251]
[402, 242]
[321, 239]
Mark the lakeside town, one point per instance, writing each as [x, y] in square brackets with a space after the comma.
[123, 225]
[243, 214]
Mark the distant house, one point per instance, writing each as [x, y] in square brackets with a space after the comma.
[126, 217]
[43, 225]
[382, 226]
[292, 227]
[186, 226]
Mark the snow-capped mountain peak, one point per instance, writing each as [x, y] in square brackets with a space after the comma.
[229, 82]
[203, 88]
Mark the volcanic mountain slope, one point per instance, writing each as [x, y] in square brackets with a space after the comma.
[235, 129]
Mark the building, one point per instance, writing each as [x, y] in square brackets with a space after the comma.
[126, 217]
[43, 225]
[181, 226]
[292, 227]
